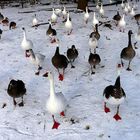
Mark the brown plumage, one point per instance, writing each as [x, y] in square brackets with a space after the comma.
[95, 33]
[117, 18]
[51, 33]
[72, 54]
[94, 59]
[12, 25]
[59, 61]
[137, 18]
[5, 21]
[16, 89]
[128, 53]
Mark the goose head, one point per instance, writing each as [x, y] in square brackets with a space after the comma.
[130, 32]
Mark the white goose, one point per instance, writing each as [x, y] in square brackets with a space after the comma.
[137, 37]
[128, 7]
[64, 12]
[26, 44]
[132, 13]
[86, 15]
[95, 20]
[35, 21]
[122, 4]
[53, 17]
[122, 23]
[68, 25]
[56, 102]
[97, 6]
[101, 11]
[58, 11]
[36, 59]
[93, 43]
[125, 9]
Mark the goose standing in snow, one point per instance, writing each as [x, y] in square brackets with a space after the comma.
[114, 95]
[64, 12]
[132, 12]
[122, 24]
[137, 37]
[36, 58]
[86, 16]
[26, 44]
[128, 53]
[16, 89]
[122, 4]
[60, 61]
[93, 42]
[101, 11]
[56, 102]
[35, 21]
[12, 25]
[1, 33]
[95, 20]
[53, 17]
[72, 54]
[125, 9]
[117, 18]
[51, 33]
[68, 25]
[94, 59]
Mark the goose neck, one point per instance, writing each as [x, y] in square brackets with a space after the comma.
[129, 40]
[52, 91]
[24, 35]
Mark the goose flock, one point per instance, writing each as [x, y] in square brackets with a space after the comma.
[68, 61]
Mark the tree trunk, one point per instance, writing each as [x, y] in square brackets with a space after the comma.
[82, 4]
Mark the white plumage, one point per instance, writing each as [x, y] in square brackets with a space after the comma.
[132, 13]
[68, 25]
[101, 11]
[53, 17]
[35, 21]
[86, 16]
[137, 35]
[64, 12]
[95, 20]
[93, 43]
[122, 23]
[26, 44]
[122, 4]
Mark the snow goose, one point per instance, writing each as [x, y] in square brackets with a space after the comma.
[101, 11]
[64, 12]
[16, 89]
[95, 20]
[128, 53]
[0, 33]
[122, 24]
[125, 9]
[86, 15]
[132, 12]
[137, 18]
[53, 17]
[36, 59]
[56, 102]
[26, 44]
[60, 61]
[68, 25]
[117, 18]
[51, 33]
[12, 25]
[114, 95]
[72, 54]
[122, 4]
[35, 21]
[93, 60]
[95, 33]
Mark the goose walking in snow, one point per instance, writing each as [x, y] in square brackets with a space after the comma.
[95, 20]
[35, 21]
[101, 11]
[86, 16]
[56, 102]
[64, 12]
[114, 95]
[26, 44]
[36, 59]
[53, 17]
[68, 25]
[128, 53]
[122, 24]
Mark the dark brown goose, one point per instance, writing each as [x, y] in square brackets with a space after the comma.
[128, 53]
[12, 25]
[72, 54]
[16, 89]
[115, 95]
[94, 59]
[95, 33]
[137, 18]
[5, 21]
[59, 61]
[0, 33]
[51, 33]
[117, 18]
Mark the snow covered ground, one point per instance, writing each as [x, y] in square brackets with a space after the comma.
[83, 90]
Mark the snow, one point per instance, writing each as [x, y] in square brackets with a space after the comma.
[83, 90]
